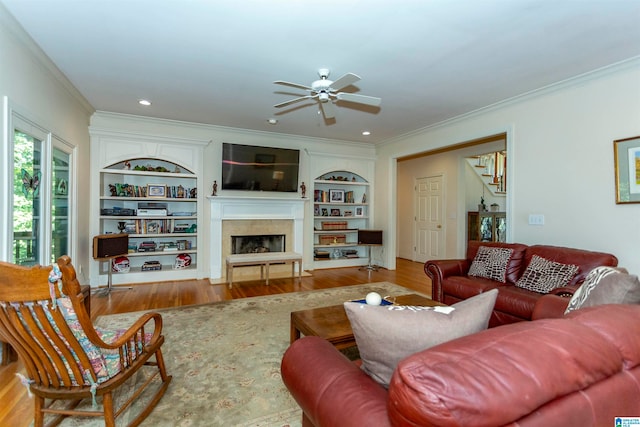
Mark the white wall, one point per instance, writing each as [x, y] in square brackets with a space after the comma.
[38, 90]
[560, 153]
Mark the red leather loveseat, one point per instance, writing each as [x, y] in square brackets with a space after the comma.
[580, 370]
[451, 282]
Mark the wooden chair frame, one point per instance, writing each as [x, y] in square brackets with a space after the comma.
[56, 363]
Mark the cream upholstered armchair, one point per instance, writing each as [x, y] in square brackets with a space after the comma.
[43, 318]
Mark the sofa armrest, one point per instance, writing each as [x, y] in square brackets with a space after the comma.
[438, 270]
[550, 306]
[330, 389]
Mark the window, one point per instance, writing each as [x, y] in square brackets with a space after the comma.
[38, 208]
[27, 186]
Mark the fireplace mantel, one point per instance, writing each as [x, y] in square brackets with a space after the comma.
[224, 208]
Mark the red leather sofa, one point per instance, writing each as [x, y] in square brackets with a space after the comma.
[580, 370]
[451, 283]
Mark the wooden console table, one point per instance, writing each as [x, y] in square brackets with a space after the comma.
[264, 259]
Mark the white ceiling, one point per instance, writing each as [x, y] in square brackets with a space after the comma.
[214, 61]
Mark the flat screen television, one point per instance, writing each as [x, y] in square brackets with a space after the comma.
[254, 168]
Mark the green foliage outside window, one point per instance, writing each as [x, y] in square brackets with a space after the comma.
[23, 158]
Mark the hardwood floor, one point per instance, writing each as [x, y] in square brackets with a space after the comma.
[17, 408]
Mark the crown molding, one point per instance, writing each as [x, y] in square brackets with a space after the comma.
[548, 89]
[208, 128]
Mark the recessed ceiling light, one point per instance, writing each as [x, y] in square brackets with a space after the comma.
[272, 121]
[366, 133]
[144, 102]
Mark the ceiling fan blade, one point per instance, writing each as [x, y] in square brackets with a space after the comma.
[292, 101]
[344, 81]
[296, 85]
[360, 99]
[328, 110]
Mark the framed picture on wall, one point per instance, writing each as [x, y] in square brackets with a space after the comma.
[359, 211]
[626, 154]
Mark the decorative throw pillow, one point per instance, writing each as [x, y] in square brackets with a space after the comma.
[491, 263]
[387, 334]
[606, 285]
[543, 275]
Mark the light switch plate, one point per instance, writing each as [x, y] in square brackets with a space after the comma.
[536, 219]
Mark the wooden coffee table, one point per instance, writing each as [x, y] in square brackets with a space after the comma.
[332, 323]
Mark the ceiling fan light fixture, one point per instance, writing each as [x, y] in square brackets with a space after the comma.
[326, 91]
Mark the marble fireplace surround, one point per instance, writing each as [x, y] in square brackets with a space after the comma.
[253, 215]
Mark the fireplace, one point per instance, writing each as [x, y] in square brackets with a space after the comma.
[248, 216]
[257, 243]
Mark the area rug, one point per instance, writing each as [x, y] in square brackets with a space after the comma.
[225, 359]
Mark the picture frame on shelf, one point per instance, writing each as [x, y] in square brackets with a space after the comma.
[336, 196]
[335, 212]
[153, 228]
[325, 212]
[626, 154]
[359, 211]
[348, 213]
[316, 210]
[156, 190]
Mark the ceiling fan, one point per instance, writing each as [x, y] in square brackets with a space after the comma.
[326, 91]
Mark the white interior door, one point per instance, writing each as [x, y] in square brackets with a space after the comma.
[429, 223]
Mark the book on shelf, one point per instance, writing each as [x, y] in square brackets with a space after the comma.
[180, 192]
[126, 190]
[130, 190]
[349, 197]
[155, 226]
[151, 266]
[321, 196]
[183, 244]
